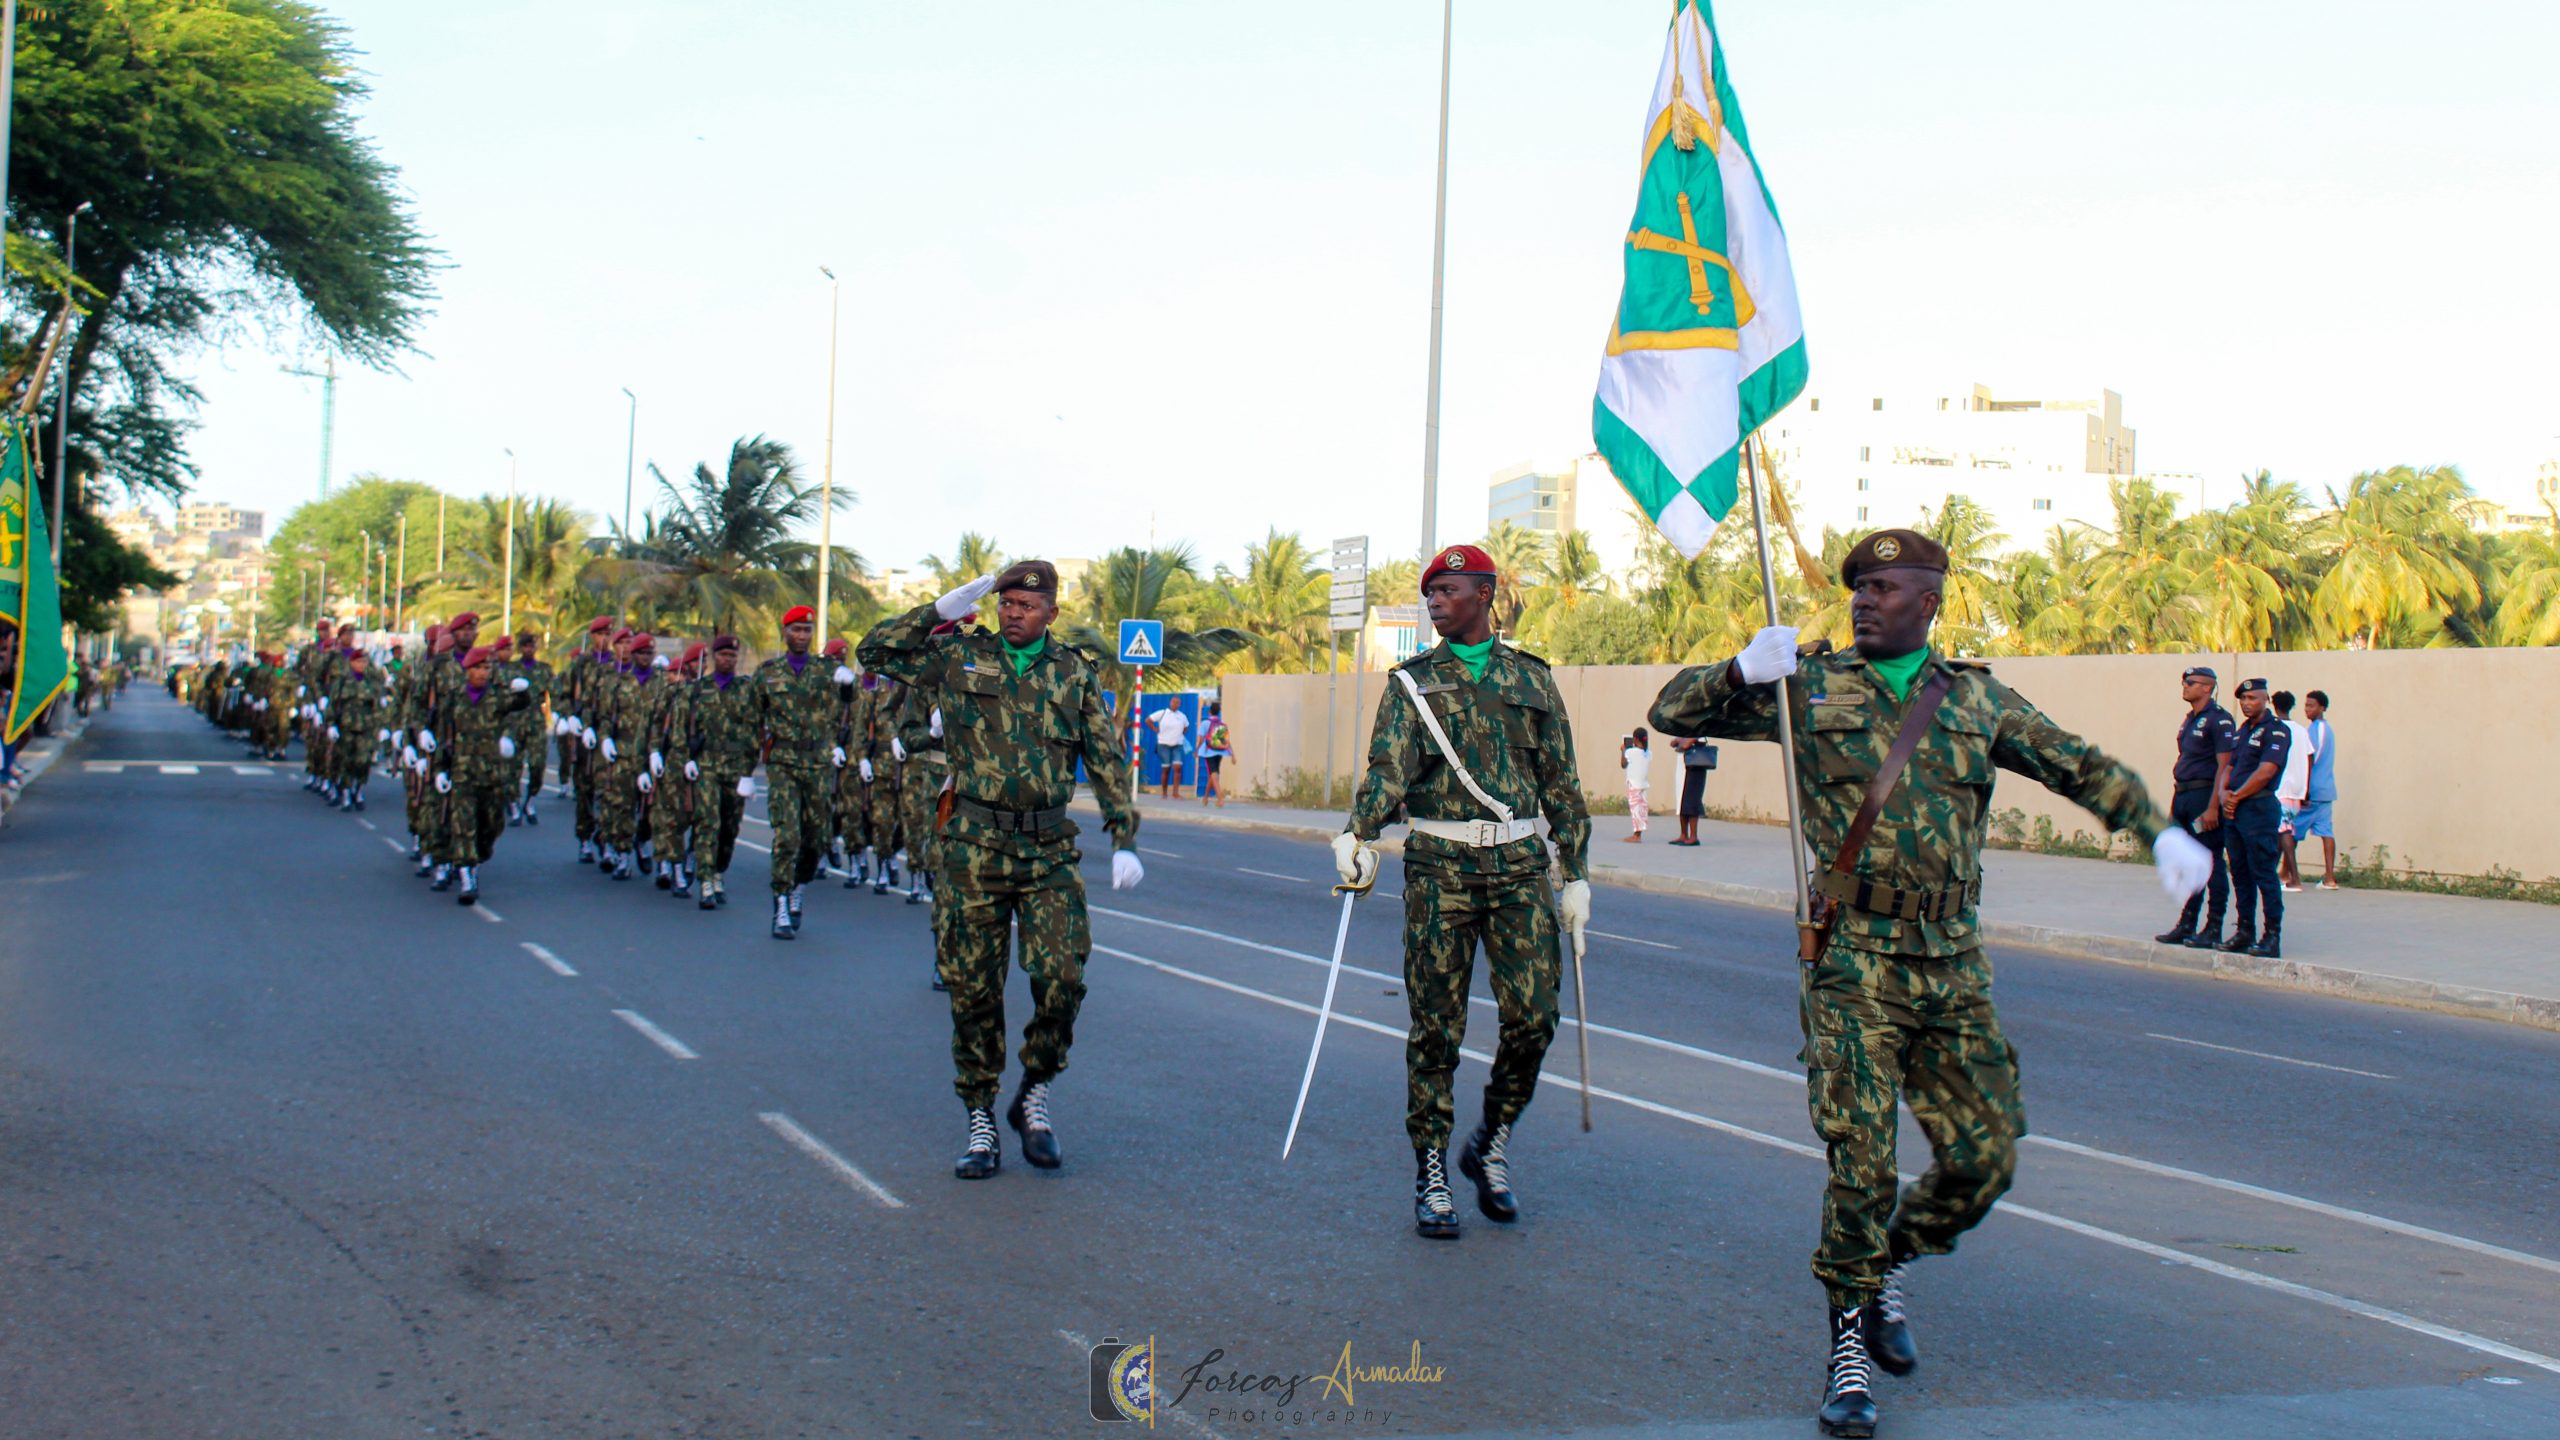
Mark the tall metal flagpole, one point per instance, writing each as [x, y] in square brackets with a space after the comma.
[1796, 857]
[62, 399]
[1439, 268]
[630, 452]
[400, 580]
[507, 587]
[827, 474]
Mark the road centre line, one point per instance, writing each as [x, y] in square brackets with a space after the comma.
[816, 1149]
[2263, 1055]
[2365, 1218]
[369, 825]
[180, 770]
[1630, 939]
[492, 916]
[2466, 1339]
[1271, 875]
[657, 1037]
[558, 966]
[1165, 854]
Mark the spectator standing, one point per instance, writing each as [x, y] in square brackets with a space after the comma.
[2249, 811]
[1637, 761]
[1216, 744]
[2322, 791]
[2203, 770]
[1697, 757]
[1173, 730]
[2292, 785]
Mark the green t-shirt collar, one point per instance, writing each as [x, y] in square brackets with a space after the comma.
[1475, 657]
[1023, 655]
[1900, 671]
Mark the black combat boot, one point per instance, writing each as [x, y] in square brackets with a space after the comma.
[710, 898]
[530, 818]
[2272, 947]
[1848, 1394]
[782, 926]
[856, 866]
[515, 813]
[922, 890]
[982, 1158]
[358, 796]
[888, 875]
[586, 852]
[1029, 1117]
[444, 878]
[795, 898]
[1435, 1215]
[2185, 929]
[2242, 938]
[470, 886]
[684, 882]
[1486, 1160]
[625, 868]
[666, 874]
[1889, 1339]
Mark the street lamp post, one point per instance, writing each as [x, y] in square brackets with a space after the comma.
[1439, 266]
[507, 587]
[62, 403]
[400, 581]
[630, 451]
[827, 473]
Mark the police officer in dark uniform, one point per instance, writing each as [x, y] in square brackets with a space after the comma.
[2249, 810]
[2201, 777]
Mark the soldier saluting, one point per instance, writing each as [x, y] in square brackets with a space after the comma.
[1895, 750]
[1019, 710]
[1472, 745]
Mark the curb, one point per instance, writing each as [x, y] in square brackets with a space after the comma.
[2540, 1012]
[39, 762]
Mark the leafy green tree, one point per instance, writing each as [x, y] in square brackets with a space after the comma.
[1520, 557]
[1966, 606]
[2393, 531]
[1600, 630]
[338, 532]
[2529, 588]
[1158, 584]
[1281, 600]
[723, 552]
[974, 556]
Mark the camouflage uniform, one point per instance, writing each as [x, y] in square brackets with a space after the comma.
[1009, 851]
[1897, 1007]
[1511, 731]
[533, 726]
[580, 682]
[919, 778]
[671, 798]
[439, 680]
[798, 714]
[882, 824]
[621, 712]
[468, 729]
[357, 706]
[724, 732]
[849, 817]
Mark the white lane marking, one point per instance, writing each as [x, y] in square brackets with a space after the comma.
[2263, 1055]
[1167, 854]
[1271, 875]
[558, 966]
[657, 1037]
[818, 1150]
[394, 844]
[489, 915]
[2464, 1338]
[248, 769]
[2365, 1218]
[369, 825]
[101, 767]
[1630, 939]
[178, 770]
[1177, 1416]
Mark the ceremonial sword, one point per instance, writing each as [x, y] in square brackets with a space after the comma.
[1582, 1028]
[1341, 935]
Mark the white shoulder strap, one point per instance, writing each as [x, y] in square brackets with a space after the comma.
[1440, 738]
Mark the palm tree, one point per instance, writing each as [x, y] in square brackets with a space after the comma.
[1398, 582]
[2393, 531]
[1281, 600]
[2141, 588]
[2046, 605]
[2529, 588]
[1520, 557]
[723, 554]
[1965, 606]
[1159, 584]
[974, 556]
[1574, 574]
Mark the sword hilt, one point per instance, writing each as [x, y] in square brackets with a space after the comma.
[1361, 890]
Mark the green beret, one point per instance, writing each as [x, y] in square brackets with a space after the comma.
[1893, 550]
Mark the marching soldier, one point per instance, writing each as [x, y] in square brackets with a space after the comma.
[577, 752]
[1471, 746]
[799, 700]
[474, 757]
[624, 778]
[916, 744]
[849, 820]
[407, 701]
[1897, 992]
[357, 720]
[533, 727]
[1019, 709]
[445, 677]
[307, 667]
[677, 773]
[723, 742]
[875, 734]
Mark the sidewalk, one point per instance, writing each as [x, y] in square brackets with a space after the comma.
[2491, 959]
[38, 755]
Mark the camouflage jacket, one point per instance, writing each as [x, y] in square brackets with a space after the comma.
[439, 680]
[543, 684]
[799, 715]
[624, 706]
[574, 690]
[876, 721]
[358, 705]
[670, 716]
[468, 730]
[1929, 836]
[915, 727]
[1013, 740]
[1511, 731]
[722, 730]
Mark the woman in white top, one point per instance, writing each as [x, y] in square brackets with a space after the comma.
[1637, 761]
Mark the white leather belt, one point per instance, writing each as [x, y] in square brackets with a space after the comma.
[1479, 833]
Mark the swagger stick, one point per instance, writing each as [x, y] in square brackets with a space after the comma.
[1786, 724]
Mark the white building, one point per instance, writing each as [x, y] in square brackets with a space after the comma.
[1577, 494]
[1865, 460]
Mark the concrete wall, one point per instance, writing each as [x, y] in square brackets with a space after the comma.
[2445, 756]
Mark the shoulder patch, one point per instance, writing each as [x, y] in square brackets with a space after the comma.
[1538, 660]
[1418, 663]
[1982, 665]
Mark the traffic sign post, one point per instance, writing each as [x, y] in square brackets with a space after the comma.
[1141, 645]
[1349, 610]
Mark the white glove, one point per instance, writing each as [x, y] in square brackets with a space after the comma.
[657, 763]
[659, 664]
[1573, 904]
[384, 736]
[409, 756]
[519, 684]
[865, 768]
[333, 732]
[324, 704]
[260, 706]
[746, 787]
[935, 729]
[2183, 862]
[563, 725]
[610, 754]
[301, 690]
[427, 742]
[692, 771]
[897, 750]
[965, 599]
[845, 675]
[1354, 859]
[1771, 655]
[444, 783]
[838, 755]
[587, 737]
[644, 782]
[418, 764]
[1126, 870]
[506, 747]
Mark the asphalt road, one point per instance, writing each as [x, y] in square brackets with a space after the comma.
[291, 1146]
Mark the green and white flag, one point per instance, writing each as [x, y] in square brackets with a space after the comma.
[1707, 342]
[29, 596]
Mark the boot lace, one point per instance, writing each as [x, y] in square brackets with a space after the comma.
[1492, 1158]
[1433, 1187]
[1889, 1301]
[1849, 1358]
[1035, 1106]
[982, 1132]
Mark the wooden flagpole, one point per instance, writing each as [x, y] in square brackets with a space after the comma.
[1796, 856]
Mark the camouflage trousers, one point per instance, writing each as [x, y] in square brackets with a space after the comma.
[585, 772]
[475, 816]
[981, 894]
[671, 810]
[849, 816]
[718, 811]
[1882, 1028]
[796, 801]
[619, 802]
[887, 824]
[1445, 917]
[919, 792]
[524, 772]
[352, 757]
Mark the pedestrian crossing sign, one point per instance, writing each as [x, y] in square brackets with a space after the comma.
[1141, 642]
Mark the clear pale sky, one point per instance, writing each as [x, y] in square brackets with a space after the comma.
[1118, 263]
